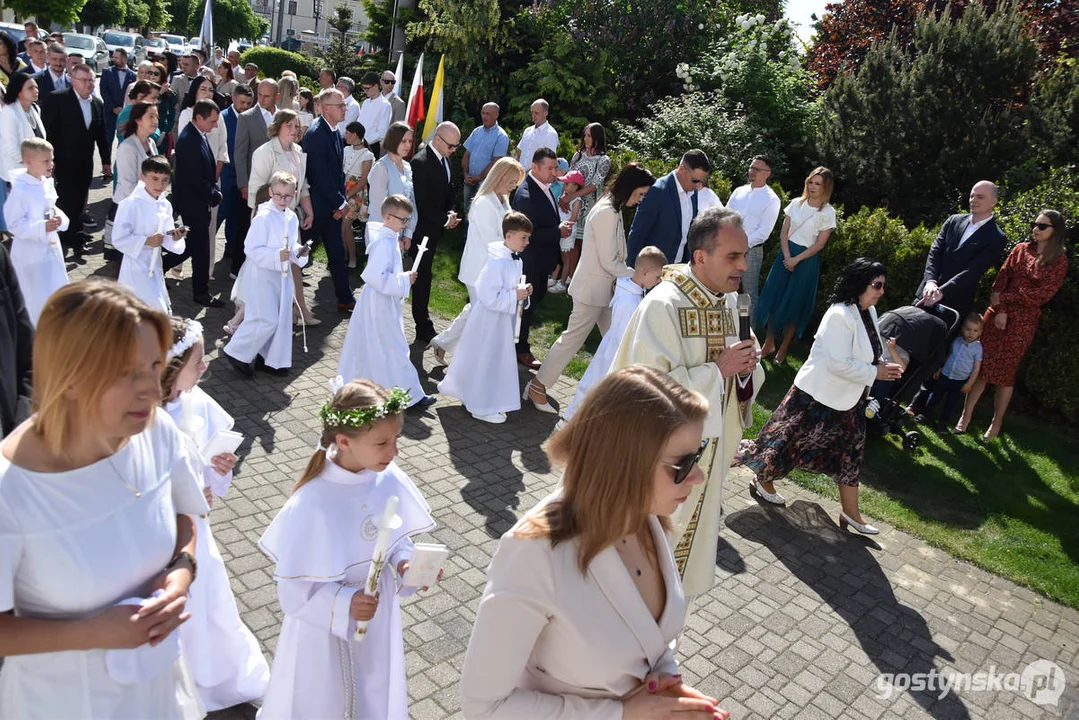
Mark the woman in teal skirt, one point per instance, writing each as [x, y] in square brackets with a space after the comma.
[789, 293]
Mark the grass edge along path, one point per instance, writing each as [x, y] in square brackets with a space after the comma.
[1007, 505]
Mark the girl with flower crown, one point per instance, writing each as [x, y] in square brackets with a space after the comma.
[322, 543]
[222, 654]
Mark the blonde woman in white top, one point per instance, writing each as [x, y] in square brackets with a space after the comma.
[790, 292]
[489, 206]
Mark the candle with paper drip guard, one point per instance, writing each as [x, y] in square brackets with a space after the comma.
[387, 523]
[420, 250]
[284, 264]
[521, 285]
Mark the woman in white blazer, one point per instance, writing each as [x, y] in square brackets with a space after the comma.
[489, 206]
[283, 153]
[602, 262]
[19, 119]
[820, 425]
[583, 598]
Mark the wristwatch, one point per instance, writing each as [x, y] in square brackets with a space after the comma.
[184, 556]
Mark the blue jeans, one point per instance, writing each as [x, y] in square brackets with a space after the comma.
[751, 278]
[947, 393]
[469, 192]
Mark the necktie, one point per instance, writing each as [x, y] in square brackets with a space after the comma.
[446, 164]
[516, 256]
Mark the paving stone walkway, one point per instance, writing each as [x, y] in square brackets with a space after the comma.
[803, 621]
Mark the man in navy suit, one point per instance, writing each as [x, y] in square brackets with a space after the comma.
[234, 213]
[194, 192]
[534, 199]
[665, 213]
[326, 181]
[114, 82]
[966, 247]
[54, 77]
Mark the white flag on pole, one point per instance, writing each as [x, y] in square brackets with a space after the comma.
[400, 75]
[206, 32]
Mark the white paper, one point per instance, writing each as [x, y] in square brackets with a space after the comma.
[426, 562]
[223, 441]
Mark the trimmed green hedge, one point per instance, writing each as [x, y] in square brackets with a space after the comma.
[273, 61]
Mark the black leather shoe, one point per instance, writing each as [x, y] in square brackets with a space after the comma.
[242, 368]
[425, 402]
[346, 307]
[209, 301]
[261, 366]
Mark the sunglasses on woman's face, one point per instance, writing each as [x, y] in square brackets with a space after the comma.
[1040, 226]
[685, 466]
[877, 284]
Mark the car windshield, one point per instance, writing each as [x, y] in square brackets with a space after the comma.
[79, 41]
[173, 39]
[113, 38]
[155, 42]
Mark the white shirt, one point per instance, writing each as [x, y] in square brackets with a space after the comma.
[973, 228]
[686, 201]
[375, 114]
[546, 187]
[84, 104]
[760, 210]
[59, 82]
[266, 115]
[441, 159]
[534, 138]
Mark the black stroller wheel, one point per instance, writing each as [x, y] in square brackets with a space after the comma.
[912, 440]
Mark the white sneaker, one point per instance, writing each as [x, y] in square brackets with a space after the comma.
[550, 282]
[558, 288]
[494, 419]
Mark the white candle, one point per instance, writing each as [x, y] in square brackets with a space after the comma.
[387, 523]
[419, 254]
[284, 263]
[521, 285]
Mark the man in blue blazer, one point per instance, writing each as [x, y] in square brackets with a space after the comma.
[114, 82]
[664, 215]
[534, 199]
[326, 182]
[54, 77]
[234, 213]
[194, 192]
[965, 248]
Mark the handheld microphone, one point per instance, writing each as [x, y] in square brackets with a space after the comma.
[743, 316]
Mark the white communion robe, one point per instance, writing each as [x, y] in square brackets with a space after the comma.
[268, 292]
[375, 346]
[627, 296]
[75, 543]
[484, 370]
[36, 255]
[222, 655]
[681, 328]
[322, 542]
[138, 217]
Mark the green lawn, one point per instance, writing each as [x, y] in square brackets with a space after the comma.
[1009, 505]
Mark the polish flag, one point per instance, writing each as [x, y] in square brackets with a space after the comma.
[414, 114]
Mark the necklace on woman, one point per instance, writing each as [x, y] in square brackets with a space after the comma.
[129, 486]
[620, 552]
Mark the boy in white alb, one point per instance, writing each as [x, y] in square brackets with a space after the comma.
[375, 346]
[272, 244]
[628, 293]
[33, 221]
[144, 227]
[484, 371]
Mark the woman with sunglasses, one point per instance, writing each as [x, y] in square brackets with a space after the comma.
[820, 425]
[1030, 277]
[583, 597]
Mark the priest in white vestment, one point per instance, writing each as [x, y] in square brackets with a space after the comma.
[688, 327]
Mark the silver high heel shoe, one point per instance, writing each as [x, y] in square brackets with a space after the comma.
[867, 529]
[544, 407]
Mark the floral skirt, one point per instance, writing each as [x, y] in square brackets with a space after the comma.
[805, 434]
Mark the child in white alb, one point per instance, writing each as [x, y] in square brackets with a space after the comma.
[628, 293]
[33, 221]
[322, 543]
[224, 658]
[143, 227]
[264, 339]
[375, 346]
[484, 370]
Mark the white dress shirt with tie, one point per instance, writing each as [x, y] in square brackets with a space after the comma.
[971, 229]
[685, 199]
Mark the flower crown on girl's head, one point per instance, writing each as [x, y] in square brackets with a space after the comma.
[395, 404]
[191, 336]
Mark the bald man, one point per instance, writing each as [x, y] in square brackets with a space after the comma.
[431, 180]
[966, 247]
[484, 146]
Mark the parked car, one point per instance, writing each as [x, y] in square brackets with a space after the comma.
[175, 43]
[91, 49]
[17, 33]
[155, 49]
[195, 43]
[134, 43]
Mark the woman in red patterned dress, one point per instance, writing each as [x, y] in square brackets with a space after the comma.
[1030, 277]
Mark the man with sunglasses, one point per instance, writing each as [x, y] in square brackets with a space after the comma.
[687, 326]
[664, 215]
[433, 186]
[389, 85]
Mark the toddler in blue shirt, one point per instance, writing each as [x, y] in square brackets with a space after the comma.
[959, 373]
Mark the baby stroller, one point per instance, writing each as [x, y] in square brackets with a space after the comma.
[923, 334]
